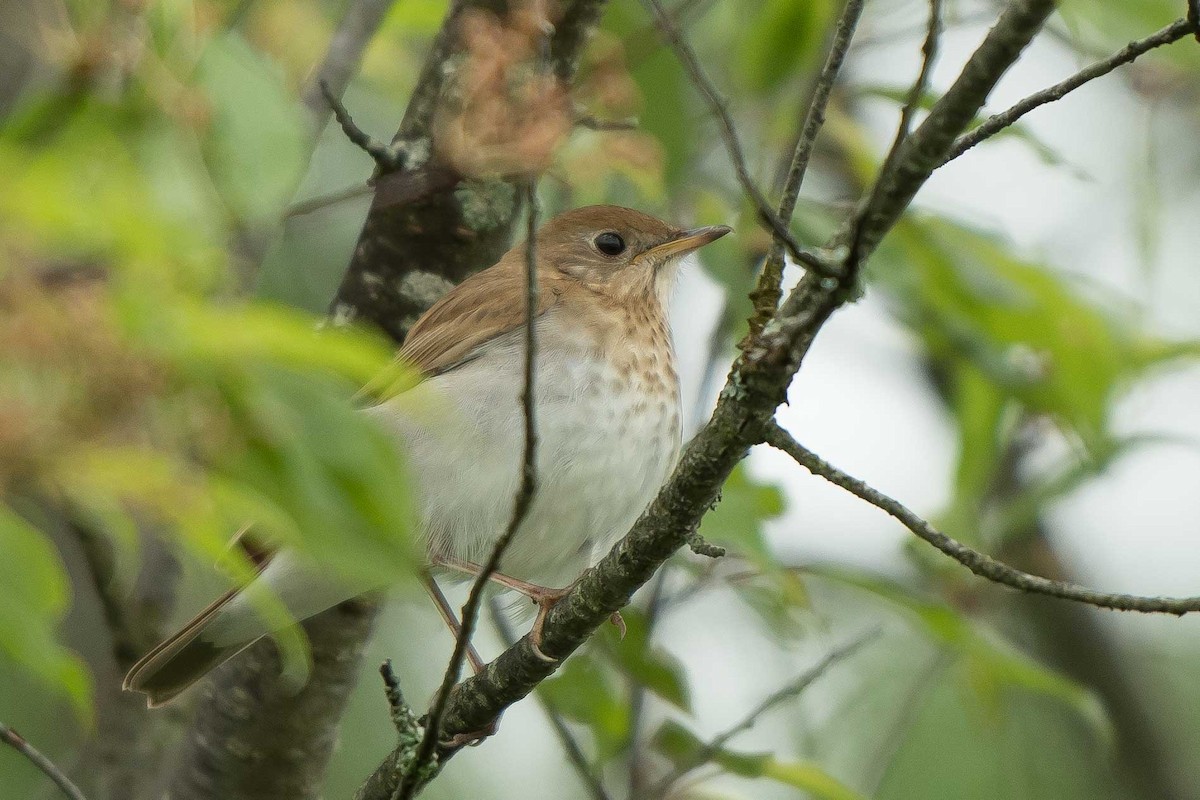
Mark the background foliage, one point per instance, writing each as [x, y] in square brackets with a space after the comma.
[161, 370]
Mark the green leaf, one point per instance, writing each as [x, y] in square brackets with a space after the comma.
[781, 39]
[736, 522]
[774, 592]
[809, 777]
[257, 142]
[686, 751]
[33, 602]
[586, 692]
[668, 107]
[993, 663]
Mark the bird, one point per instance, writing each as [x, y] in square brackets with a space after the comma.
[607, 411]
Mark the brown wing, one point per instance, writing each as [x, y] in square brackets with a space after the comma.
[484, 306]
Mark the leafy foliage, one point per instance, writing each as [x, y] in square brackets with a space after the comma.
[133, 386]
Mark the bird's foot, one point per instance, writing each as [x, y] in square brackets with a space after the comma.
[472, 739]
[546, 602]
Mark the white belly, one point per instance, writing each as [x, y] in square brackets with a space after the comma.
[605, 446]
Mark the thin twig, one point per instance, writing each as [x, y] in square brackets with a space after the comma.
[793, 689]
[575, 755]
[716, 104]
[593, 123]
[929, 49]
[767, 293]
[48, 767]
[637, 700]
[998, 122]
[981, 564]
[528, 486]
[346, 47]
[312, 204]
[386, 157]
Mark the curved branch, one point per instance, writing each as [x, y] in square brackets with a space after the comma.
[998, 122]
[769, 289]
[981, 564]
[416, 775]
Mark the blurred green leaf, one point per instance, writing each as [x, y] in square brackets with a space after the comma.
[992, 663]
[774, 592]
[33, 602]
[586, 692]
[781, 39]
[687, 751]
[736, 521]
[667, 109]
[257, 143]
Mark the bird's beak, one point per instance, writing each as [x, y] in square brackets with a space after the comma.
[685, 242]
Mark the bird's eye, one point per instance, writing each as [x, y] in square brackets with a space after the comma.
[610, 243]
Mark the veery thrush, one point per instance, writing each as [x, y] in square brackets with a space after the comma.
[607, 415]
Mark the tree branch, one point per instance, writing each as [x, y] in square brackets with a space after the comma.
[767, 294]
[48, 767]
[716, 104]
[789, 691]
[926, 148]
[346, 48]
[981, 564]
[998, 122]
[915, 92]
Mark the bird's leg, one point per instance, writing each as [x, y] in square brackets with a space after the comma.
[544, 597]
[443, 607]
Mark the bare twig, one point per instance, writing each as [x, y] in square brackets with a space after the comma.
[593, 123]
[303, 207]
[793, 689]
[998, 122]
[412, 779]
[637, 699]
[716, 104]
[767, 293]
[981, 564]
[575, 755]
[354, 32]
[48, 767]
[933, 32]
[385, 156]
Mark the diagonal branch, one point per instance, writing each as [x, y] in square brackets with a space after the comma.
[346, 48]
[719, 109]
[767, 294]
[998, 122]
[933, 32]
[789, 691]
[981, 564]
[17, 742]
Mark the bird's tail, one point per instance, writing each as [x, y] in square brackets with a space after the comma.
[234, 622]
[185, 657]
